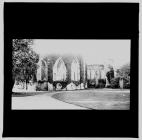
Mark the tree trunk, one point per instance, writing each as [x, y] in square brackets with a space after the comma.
[23, 84]
[26, 84]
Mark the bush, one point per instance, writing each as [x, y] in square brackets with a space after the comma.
[114, 83]
[127, 82]
[91, 83]
[42, 86]
[110, 75]
[102, 83]
[62, 83]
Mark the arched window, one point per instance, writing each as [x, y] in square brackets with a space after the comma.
[42, 71]
[75, 70]
[59, 70]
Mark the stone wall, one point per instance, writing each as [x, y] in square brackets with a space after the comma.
[90, 75]
[47, 75]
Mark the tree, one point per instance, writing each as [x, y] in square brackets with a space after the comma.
[124, 73]
[24, 60]
[110, 74]
[114, 83]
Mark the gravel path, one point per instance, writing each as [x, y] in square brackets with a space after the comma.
[41, 102]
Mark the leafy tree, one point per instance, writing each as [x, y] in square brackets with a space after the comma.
[24, 60]
[124, 73]
[114, 83]
[110, 74]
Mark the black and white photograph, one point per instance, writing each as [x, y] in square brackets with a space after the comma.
[89, 74]
[71, 69]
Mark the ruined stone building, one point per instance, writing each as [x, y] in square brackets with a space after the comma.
[69, 72]
[64, 72]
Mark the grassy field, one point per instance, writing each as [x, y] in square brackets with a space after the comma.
[102, 99]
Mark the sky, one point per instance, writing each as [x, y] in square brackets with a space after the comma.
[116, 52]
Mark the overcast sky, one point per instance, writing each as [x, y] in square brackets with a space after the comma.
[93, 51]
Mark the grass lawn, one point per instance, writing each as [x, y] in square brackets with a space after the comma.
[102, 99]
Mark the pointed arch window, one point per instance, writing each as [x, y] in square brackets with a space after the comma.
[59, 70]
[42, 71]
[75, 70]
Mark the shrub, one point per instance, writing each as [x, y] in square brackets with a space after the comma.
[62, 83]
[127, 82]
[42, 86]
[114, 83]
[110, 75]
[91, 83]
[102, 83]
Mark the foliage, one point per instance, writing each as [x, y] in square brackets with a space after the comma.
[24, 60]
[124, 72]
[127, 82]
[101, 83]
[42, 86]
[110, 74]
[63, 84]
[91, 83]
[114, 83]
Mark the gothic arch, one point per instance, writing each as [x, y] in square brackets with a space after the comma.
[59, 70]
[75, 70]
[42, 71]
